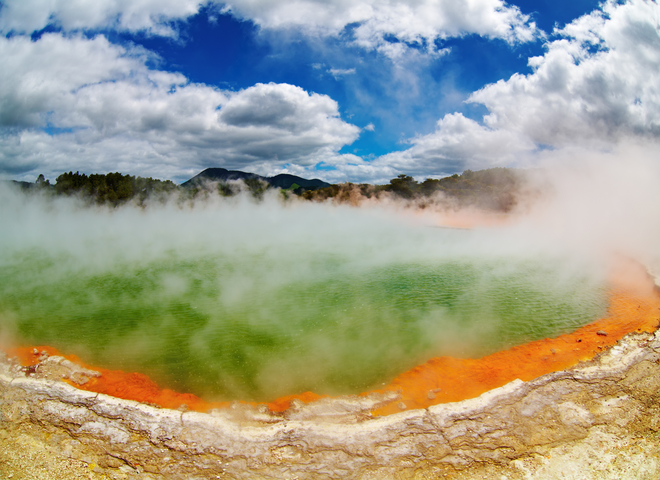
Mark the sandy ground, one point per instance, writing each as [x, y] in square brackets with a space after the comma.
[24, 457]
[600, 456]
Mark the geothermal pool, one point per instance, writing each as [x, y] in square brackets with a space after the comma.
[253, 302]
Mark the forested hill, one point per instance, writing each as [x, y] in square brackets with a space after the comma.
[282, 180]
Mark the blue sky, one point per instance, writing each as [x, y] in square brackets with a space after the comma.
[358, 90]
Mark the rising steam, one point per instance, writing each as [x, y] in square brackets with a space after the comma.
[237, 298]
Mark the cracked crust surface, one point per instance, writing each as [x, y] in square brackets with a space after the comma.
[597, 420]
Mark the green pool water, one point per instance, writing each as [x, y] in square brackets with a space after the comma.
[255, 326]
[239, 300]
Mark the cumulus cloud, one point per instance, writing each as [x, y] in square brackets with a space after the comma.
[377, 23]
[26, 16]
[390, 26]
[75, 102]
[72, 102]
[278, 120]
[600, 82]
[598, 85]
[458, 143]
[42, 76]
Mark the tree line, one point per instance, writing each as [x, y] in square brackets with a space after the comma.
[111, 188]
[493, 189]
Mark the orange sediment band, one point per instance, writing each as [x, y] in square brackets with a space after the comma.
[139, 387]
[634, 307]
[129, 386]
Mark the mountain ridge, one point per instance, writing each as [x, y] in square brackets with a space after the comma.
[283, 180]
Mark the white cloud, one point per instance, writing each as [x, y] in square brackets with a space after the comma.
[279, 121]
[40, 77]
[388, 26]
[349, 169]
[458, 143]
[26, 16]
[376, 22]
[110, 112]
[340, 72]
[69, 102]
[600, 83]
[597, 86]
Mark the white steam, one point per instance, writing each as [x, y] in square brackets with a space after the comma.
[222, 263]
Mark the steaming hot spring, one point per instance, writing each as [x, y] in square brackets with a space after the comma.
[265, 302]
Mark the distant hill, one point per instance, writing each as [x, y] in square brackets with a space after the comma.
[219, 175]
[19, 184]
[282, 180]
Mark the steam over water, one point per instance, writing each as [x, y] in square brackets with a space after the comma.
[237, 300]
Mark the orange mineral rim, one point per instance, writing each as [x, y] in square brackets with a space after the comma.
[634, 306]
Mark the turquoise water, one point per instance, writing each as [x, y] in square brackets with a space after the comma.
[254, 325]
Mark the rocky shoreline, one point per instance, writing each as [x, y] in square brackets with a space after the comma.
[560, 425]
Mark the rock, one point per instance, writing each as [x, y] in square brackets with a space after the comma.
[57, 367]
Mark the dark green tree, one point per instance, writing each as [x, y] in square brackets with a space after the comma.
[403, 186]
